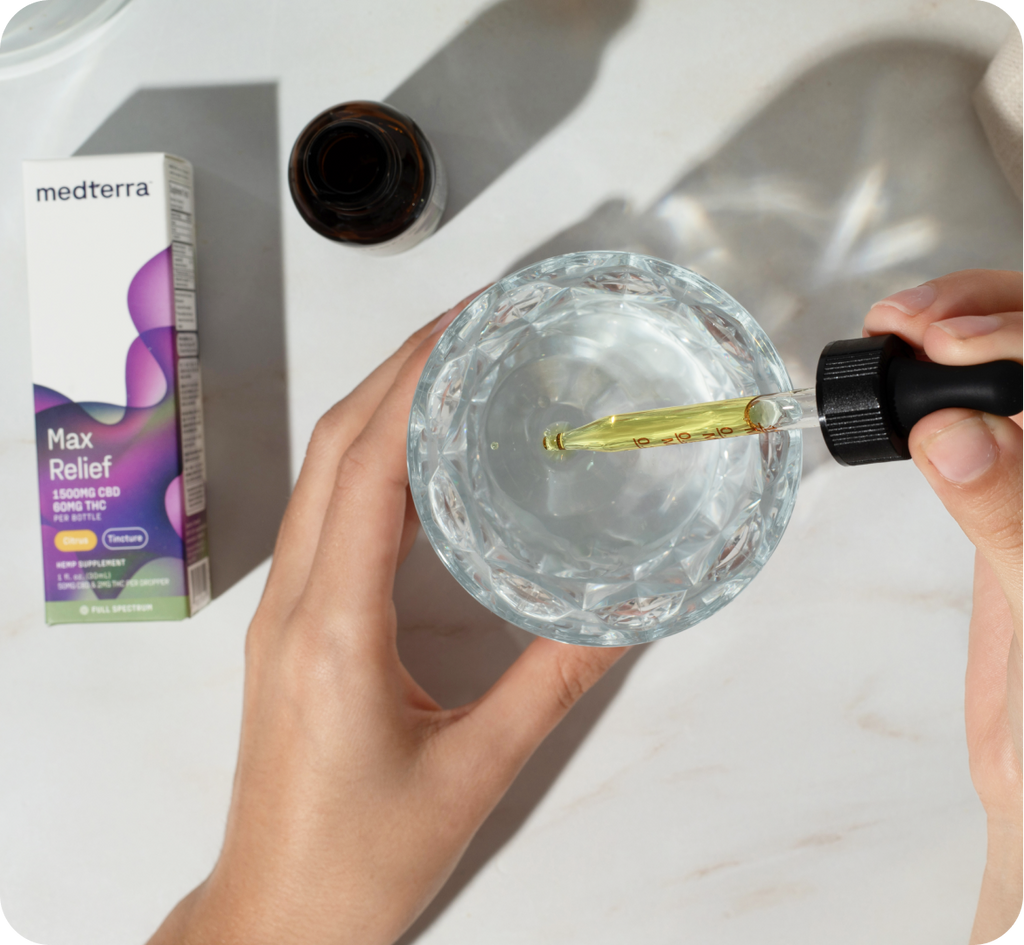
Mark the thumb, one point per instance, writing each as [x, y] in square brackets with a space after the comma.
[973, 462]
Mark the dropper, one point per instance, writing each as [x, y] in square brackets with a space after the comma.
[869, 393]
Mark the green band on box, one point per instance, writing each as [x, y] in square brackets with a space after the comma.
[111, 611]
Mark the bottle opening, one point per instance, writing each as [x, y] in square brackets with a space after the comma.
[348, 163]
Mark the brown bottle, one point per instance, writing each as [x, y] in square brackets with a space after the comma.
[363, 174]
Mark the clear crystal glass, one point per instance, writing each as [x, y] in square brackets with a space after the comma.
[601, 549]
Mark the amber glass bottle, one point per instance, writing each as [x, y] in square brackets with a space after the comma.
[364, 174]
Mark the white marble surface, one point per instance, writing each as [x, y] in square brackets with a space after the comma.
[792, 770]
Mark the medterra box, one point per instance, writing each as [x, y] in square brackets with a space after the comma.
[115, 365]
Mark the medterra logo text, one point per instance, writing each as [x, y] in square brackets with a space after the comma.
[92, 190]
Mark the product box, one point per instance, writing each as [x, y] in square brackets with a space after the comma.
[118, 401]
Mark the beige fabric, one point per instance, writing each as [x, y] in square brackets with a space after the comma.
[998, 102]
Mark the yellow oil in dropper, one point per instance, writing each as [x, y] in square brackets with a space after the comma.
[696, 423]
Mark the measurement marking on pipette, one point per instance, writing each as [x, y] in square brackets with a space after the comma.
[718, 433]
[642, 442]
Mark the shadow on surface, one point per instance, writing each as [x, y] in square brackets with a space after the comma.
[870, 173]
[229, 133]
[514, 73]
[456, 649]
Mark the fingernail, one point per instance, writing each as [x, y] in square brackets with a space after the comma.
[962, 451]
[911, 301]
[448, 317]
[970, 326]
[472, 295]
[445, 320]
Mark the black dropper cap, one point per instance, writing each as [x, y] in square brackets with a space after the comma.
[871, 392]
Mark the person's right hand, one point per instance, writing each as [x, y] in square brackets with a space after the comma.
[973, 462]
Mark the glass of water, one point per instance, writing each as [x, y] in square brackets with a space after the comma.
[600, 549]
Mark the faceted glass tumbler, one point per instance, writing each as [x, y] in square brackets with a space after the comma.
[600, 549]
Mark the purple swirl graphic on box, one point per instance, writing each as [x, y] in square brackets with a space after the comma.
[149, 370]
[105, 466]
[151, 294]
[46, 398]
[174, 507]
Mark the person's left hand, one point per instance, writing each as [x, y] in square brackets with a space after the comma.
[356, 794]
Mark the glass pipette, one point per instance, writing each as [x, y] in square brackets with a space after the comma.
[869, 393]
[691, 424]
